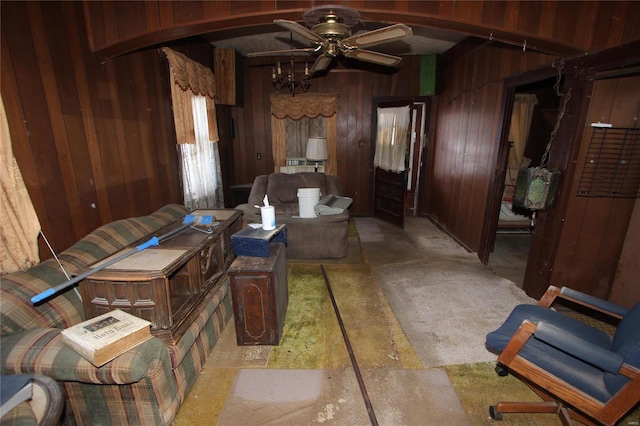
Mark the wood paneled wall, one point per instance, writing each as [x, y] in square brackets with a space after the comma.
[468, 125]
[356, 89]
[93, 137]
[595, 227]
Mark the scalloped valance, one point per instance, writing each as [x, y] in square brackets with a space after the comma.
[189, 78]
[304, 105]
[190, 75]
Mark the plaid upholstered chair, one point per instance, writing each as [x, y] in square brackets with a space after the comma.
[579, 370]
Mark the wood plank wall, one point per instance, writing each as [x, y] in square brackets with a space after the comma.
[93, 137]
[356, 89]
[593, 233]
[468, 123]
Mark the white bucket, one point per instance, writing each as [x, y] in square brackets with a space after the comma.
[307, 199]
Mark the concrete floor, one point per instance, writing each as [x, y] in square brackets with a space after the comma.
[509, 256]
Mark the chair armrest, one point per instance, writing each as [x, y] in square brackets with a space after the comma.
[579, 348]
[41, 351]
[603, 305]
[583, 299]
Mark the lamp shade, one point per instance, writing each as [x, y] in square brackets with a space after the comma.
[317, 149]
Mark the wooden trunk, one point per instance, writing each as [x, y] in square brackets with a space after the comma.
[260, 295]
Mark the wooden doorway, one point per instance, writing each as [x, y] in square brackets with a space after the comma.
[395, 194]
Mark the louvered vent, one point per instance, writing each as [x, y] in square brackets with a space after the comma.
[612, 165]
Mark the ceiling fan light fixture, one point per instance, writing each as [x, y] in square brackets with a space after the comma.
[331, 50]
[329, 28]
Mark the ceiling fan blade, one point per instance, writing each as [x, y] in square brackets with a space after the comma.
[375, 57]
[299, 29]
[320, 64]
[381, 35]
[306, 51]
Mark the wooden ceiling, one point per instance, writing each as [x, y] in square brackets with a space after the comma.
[564, 28]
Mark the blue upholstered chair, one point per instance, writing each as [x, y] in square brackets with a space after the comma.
[579, 370]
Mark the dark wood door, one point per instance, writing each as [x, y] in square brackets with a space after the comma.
[390, 188]
[389, 196]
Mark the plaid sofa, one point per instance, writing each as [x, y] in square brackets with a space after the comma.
[147, 384]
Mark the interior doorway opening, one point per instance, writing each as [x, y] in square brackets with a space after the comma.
[396, 193]
[514, 233]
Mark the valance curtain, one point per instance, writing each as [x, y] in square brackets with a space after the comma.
[192, 94]
[19, 225]
[296, 107]
[523, 106]
[391, 138]
[189, 78]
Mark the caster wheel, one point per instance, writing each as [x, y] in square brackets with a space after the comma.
[493, 412]
[501, 371]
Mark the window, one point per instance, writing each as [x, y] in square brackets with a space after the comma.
[200, 161]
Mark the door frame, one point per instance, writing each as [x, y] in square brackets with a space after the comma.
[492, 208]
[391, 101]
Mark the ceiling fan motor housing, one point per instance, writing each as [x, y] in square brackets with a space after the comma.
[332, 28]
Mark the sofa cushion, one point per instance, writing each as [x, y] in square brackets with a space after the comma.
[283, 187]
[116, 235]
[216, 305]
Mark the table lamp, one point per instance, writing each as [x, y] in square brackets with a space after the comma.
[317, 150]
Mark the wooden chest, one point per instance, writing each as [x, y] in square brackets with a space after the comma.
[168, 284]
[260, 295]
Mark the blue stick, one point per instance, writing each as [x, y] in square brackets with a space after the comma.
[188, 221]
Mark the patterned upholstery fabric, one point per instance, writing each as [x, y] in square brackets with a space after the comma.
[147, 384]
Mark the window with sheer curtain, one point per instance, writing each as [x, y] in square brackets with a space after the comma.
[201, 174]
[192, 95]
[391, 138]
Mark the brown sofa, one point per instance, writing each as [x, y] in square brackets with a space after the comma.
[322, 237]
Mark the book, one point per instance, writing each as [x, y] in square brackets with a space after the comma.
[103, 338]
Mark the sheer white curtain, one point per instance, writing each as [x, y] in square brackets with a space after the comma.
[521, 115]
[202, 177]
[391, 138]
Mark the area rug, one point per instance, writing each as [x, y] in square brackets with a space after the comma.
[478, 387]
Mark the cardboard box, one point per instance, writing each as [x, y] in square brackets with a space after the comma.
[255, 242]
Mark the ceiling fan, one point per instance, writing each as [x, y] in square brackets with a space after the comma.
[331, 33]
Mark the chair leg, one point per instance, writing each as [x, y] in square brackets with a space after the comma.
[501, 370]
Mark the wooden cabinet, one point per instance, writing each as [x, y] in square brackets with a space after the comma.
[260, 295]
[166, 284]
[229, 76]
